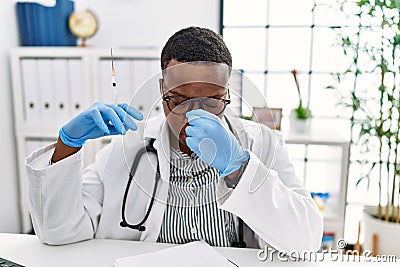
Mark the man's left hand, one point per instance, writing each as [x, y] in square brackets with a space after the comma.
[212, 143]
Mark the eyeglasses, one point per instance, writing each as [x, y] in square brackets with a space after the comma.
[180, 104]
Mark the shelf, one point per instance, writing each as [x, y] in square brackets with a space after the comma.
[309, 157]
[332, 216]
[48, 130]
[78, 52]
[316, 138]
[43, 78]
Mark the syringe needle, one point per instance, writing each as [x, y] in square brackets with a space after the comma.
[113, 81]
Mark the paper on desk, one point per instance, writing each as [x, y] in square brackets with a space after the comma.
[195, 254]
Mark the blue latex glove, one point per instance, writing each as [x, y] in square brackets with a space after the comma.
[212, 143]
[95, 122]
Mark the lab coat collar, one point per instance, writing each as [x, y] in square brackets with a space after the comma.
[154, 126]
[157, 128]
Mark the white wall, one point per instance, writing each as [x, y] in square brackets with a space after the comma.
[147, 22]
[123, 23]
[9, 214]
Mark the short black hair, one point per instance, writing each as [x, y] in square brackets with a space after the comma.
[195, 44]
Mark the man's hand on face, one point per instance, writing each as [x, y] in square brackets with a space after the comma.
[212, 143]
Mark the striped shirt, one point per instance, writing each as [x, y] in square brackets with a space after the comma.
[192, 213]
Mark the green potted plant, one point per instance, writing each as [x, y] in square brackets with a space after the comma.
[300, 117]
[374, 104]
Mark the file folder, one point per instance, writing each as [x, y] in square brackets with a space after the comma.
[154, 75]
[30, 90]
[124, 77]
[24, 33]
[46, 88]
[46, 142]
[105, 90]
[32, 145]
[61, 99]
[145, 87]
[76, 86]
[45, 26]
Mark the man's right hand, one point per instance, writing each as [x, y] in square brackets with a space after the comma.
[97, 121]
[94, 123]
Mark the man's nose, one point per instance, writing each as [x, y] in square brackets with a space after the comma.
[196, 104]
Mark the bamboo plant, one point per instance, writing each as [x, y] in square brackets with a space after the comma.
[374, 97]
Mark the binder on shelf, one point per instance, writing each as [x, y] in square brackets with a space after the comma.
[30, 90]
[23, 31]
[61, 98]
[45, 30]
[124, 84]
[61, 34]
[123, 79]
[140, 73]
[32, 145]
[105, 93]
[45, 26]
[30, 24]
[46, 142]
[154, 75]
[140, 94]
[146, 95]
[46, 88]
[76, 86]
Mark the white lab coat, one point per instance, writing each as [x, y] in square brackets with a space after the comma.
[70, 204]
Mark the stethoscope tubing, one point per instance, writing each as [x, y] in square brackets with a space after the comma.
[132, 172]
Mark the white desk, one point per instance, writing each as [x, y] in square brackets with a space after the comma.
[27, 250]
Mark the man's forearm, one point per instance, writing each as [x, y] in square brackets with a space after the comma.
[63, 151]
[233, 179]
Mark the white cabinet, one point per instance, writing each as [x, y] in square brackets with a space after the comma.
[321, 162]
[52, 84]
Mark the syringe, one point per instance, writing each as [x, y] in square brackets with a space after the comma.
[113, 81]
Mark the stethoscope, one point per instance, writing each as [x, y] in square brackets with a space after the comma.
[150, 149]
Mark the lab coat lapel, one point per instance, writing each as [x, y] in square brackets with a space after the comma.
[158, 129]
[238, 130]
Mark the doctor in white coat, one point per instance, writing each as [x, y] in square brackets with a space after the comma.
[233, 170]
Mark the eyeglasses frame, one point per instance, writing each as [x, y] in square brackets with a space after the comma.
[168, 99]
